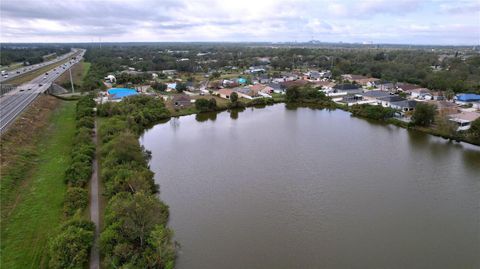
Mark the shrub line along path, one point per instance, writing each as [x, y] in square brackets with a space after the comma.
[94, 209]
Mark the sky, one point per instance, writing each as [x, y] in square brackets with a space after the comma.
[438, 22]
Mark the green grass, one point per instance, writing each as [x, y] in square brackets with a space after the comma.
[38, 212]
[86, 67]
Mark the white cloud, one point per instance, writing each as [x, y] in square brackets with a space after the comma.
[247, 20]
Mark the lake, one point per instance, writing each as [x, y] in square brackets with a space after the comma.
[305, 188]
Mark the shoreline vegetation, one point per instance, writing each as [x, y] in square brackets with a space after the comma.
[135, 233]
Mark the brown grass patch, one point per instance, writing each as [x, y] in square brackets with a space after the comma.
[23, 132]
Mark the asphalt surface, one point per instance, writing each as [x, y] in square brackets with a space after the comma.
[26, 69]
[16, 100]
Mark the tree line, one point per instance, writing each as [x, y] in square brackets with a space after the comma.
[70, 248]
[135, 233]
[452, 70]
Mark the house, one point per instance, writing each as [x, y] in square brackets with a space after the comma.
[405, 87]
[326, 74]
[404, 106]
[385, 86]
[374, 96]
[182, 101]
[325, 85]
[362, 80]
[111, 78]
[388, 100]
[464, 120]
[466, 98]
[276, 88]
[438, 96]
[263, 79]
[169, 72]
[313, 75]
[225, 93]
[227, 83]
[352, 99]
[347, 89]
[421, 94]
[171, 86]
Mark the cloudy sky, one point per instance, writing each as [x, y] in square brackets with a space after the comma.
[454, 22]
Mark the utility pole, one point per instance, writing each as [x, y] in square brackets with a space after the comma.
[71, 80]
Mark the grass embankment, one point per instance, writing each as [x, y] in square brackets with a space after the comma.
[79, 72]
[33, 212]
[24, 78]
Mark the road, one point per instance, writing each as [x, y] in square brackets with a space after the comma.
[26, 69]
[16, 100]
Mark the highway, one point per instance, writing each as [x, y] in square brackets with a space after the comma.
[15, 101]
[26, 69]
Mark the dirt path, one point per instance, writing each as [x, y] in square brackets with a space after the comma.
[94, 210]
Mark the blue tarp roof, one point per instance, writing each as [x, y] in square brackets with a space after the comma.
[119, 93]
[465, 97]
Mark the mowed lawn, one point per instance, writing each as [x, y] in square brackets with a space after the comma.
[38, 211]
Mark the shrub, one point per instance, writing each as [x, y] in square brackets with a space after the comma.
[75, 199]
[71, 248]
[372, 112]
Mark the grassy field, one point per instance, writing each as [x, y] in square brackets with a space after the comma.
[37, 210]
[33, 74]
[79, 71]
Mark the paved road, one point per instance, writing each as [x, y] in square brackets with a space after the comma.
[94, 210]
[26, 69]
[16, 100]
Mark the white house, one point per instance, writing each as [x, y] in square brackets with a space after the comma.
[111, 78]
[464, 120]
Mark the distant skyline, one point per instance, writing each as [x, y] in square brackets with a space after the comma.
[429, 22]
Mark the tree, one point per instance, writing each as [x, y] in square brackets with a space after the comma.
[424, 114]
[234, 97]
[71, 248]
[159, 87]
[215, 75]
[449, 94]
[475, 128]
[292, 94]
[212, 104]
[181, 87]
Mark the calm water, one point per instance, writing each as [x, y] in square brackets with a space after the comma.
[278, 188]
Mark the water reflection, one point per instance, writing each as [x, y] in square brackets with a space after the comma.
[289, 191]
[205, 116]
[234, 112]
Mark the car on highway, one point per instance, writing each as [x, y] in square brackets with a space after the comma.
[40, 85]
[21, 90]
[45, 77]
